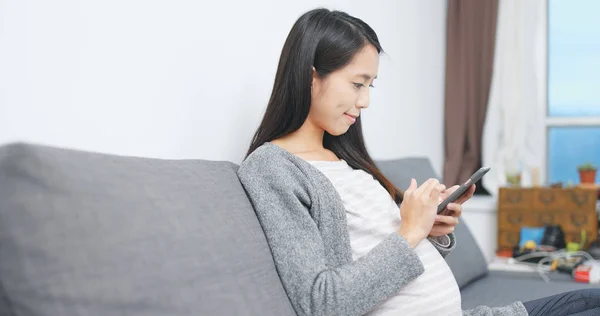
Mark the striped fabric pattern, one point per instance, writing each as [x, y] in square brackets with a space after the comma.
[372, 215]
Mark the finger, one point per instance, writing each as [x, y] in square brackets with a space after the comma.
[429, 187]
[441, 230]
[436, 192]
[413, 184]
[450, 190]
[424, 186]
[446, 220]
[467, 195]
[446, 193]
[412, 187]
[455, 209]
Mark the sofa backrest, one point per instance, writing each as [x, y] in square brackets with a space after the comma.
[466, 261]
[93, 234]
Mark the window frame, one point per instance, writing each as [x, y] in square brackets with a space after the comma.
[550, 122]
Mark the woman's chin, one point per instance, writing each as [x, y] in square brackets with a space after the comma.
[338, 131]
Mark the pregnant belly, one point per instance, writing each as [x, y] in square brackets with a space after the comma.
[435, 292]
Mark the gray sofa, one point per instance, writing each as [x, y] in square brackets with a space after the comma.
[86, 233]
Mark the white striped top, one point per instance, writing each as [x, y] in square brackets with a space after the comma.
[372, 215]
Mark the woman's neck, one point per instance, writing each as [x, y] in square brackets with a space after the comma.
[308, 137]
[307, 143]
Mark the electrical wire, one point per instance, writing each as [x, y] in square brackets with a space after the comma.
[549, 257]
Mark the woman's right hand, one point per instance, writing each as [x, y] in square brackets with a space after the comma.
[419, 209]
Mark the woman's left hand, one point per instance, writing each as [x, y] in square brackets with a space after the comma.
[445, 224]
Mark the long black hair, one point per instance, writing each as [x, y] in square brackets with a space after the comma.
[326, 40]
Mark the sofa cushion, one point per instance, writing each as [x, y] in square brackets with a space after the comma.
[466, 261]
[92, 234]
[401, 170]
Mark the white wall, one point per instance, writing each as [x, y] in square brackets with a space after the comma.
[190, 79]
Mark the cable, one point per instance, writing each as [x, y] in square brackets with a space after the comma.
[549, 257]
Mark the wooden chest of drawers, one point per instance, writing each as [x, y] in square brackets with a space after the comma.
[574, 209]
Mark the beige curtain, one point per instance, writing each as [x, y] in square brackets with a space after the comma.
[471, 32]
[513, 134]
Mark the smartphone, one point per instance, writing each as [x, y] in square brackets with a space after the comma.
[463, 188]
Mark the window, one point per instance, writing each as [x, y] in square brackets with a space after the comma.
[573, 112]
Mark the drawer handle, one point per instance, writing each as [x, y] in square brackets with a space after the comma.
[579, 198]
[514, 219]
[547, 197]
[546, 219]
[578, 220]
[514, 198]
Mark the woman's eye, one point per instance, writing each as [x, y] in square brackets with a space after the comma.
[360, 85]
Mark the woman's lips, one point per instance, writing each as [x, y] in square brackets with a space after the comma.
[351, 118]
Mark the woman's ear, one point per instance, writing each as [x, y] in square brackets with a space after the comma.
[315, 78]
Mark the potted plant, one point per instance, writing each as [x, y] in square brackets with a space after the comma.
[587, 173]
[513, 179]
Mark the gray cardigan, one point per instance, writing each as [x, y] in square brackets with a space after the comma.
[304, 221]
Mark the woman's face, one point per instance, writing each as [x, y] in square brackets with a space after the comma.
[337, 99]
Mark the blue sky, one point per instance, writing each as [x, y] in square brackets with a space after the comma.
[574, 57]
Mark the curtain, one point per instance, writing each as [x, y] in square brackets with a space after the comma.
[514, 128]
[470, 41]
